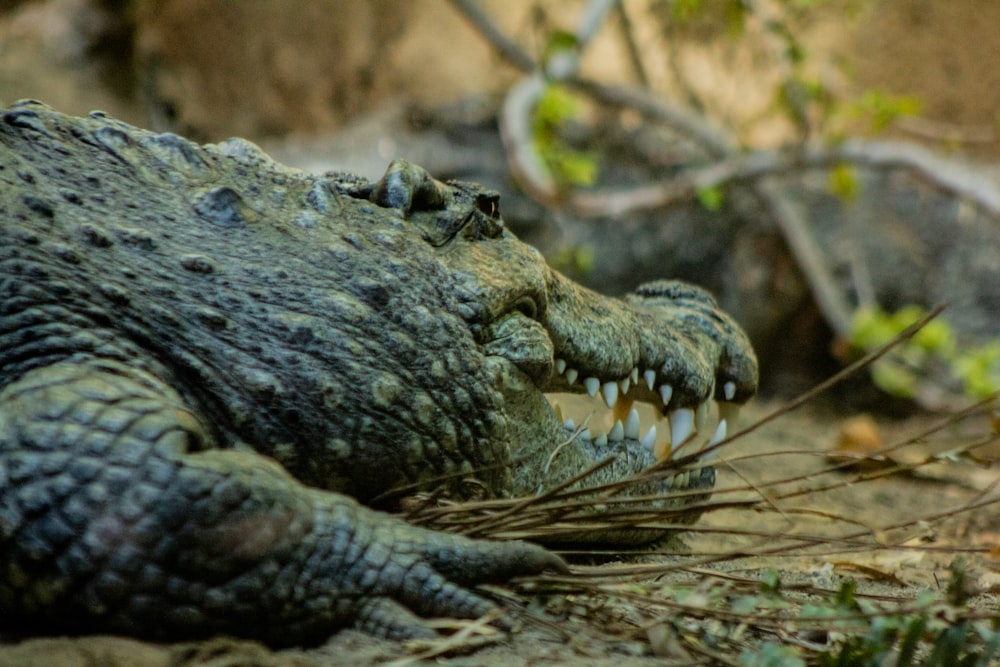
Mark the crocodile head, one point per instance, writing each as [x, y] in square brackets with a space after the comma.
[372, 338]
[666, 346]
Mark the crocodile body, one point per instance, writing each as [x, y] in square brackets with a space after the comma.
[208, 359]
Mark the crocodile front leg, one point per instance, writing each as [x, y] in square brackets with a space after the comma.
[117, 514]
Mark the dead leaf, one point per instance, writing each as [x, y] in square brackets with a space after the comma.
[858, 440]
[872, 573]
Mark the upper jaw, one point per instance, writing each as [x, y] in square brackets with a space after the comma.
[680, 355]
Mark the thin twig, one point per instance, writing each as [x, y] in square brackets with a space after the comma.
[631, 48]
[507, 49]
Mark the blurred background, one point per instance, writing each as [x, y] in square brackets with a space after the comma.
[825, 167]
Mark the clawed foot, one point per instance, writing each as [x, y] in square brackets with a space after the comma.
[404, 574]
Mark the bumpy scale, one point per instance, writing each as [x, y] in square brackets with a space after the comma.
[208, 359]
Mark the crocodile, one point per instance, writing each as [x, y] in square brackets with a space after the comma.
[218, 373]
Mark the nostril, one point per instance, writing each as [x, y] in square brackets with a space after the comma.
[527, 307]
[489, 204]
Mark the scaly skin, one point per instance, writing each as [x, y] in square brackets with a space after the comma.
[204, 355]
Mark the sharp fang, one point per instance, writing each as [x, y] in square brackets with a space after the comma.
[560, 366]
[623, 385]
[592, 385]
[632, 425]
[617, 432]
[650, 376]
[569, 423]
[585, 434]
[701, 416]
[730, 412]
[571, 374]
[649, 440]
[634, 375]
[610, 391]
[601, 440]
[681, 426]
[720, 435]
[666, 391]
[729, 390]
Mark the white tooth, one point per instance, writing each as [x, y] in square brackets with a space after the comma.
[617, 432]
[571, 375]
[650, 376]
[610, 391]
[592, 385]
[649, 440]
[632, 425]
[701, 416]
[666, 391]
[623, 385]
[729, 389]
[681, 426]
[601, 440]
[634, 375]
[720, 433]
[560, 366]
[585, 434]
[730, 412]
[569, 423]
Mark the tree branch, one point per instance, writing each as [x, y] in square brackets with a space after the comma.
[731, 166]
[507, 49]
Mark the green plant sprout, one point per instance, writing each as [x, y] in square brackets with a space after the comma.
[568, 166]
[976, 368]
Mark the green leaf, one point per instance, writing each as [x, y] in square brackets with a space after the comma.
[710, 197]
[770, 582]
[883, 108]
[895, 379]
[908, 647]
[772, 655]
[844, 182]
[685, 10]
[558, 42]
